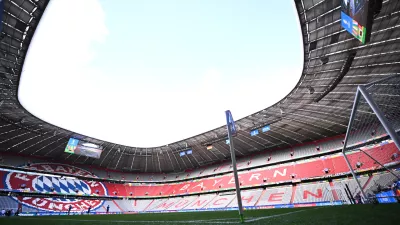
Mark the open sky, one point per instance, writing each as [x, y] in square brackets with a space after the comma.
[146, 73]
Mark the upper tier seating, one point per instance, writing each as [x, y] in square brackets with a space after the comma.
[243, 163]
[275, 156]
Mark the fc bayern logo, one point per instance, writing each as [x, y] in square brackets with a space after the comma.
[59, 185]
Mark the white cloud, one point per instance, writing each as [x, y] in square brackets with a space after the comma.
[61, 86]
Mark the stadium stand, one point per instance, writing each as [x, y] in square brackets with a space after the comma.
[307, 193]
[157, 205]
[276, 196]
[221, 201]
[183, 202]
[214, 170]
[305, 169]
[114, 207]
[315, 192]
[380, 181]
[133, 205]
[278, 155]
[201, 201]
[291, 173]
[249, 198]
[8, 203]
[340, 186]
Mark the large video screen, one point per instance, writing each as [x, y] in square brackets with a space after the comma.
[79, 147]
[357, 19]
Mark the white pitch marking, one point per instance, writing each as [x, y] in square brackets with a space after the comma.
[212, 221]
[278, 215]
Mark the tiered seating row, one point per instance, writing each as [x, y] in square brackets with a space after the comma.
[305, 169]
[282, 173]
[263, 159]
[277, 155]
[308, 193]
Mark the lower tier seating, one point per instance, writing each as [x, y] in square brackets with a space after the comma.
[302, 193]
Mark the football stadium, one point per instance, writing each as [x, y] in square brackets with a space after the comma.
[326, 153]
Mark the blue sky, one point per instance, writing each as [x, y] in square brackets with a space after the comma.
[151, 72]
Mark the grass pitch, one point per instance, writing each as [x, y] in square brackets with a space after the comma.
[351, 215]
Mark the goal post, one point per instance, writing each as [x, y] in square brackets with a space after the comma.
[372, 142]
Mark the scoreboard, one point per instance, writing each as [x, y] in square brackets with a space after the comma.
[79, 147]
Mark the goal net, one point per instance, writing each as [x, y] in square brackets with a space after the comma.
[371, 146]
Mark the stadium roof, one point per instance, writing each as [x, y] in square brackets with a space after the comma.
[318, 107]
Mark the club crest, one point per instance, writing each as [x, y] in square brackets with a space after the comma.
[54, 184]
